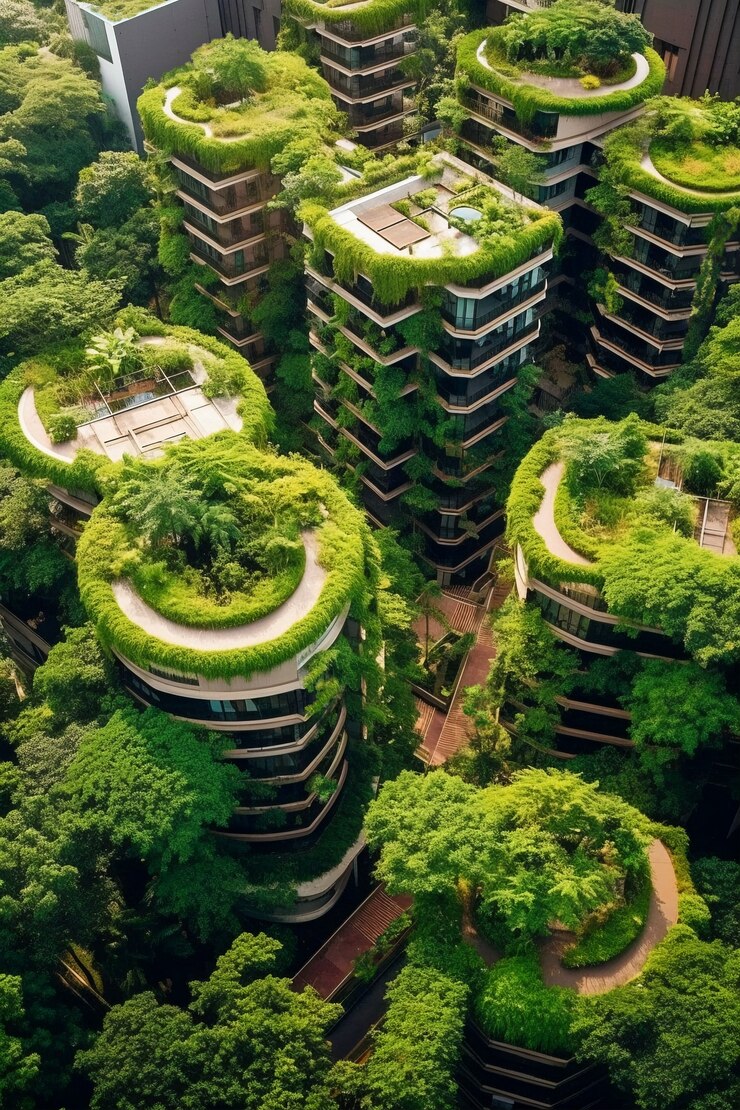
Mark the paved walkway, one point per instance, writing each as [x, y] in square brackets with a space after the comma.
[571, 86]
[269, 627]
[662, 914]
[544, 519]
[333, 962]
[443, 734]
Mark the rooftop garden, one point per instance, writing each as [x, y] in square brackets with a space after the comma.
[629, 536]
[475, 231]
[557, 59]
[214, 537]
[518, 887]
[373, 17]
[235, 105]
[140, 360]
[683, 152]
[115, 10]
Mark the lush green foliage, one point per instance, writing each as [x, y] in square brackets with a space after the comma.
[229, 463]
[373, 18]
[407, 1071]
[669, 1039]
[547, 847]
[529, 99]
[246, 1039]
[24, 241]
[581, 35]
[718, 881]
[394, 275]
[515, 1006]
[606, 935]
[295, 103]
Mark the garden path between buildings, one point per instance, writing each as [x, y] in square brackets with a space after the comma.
[662, 915]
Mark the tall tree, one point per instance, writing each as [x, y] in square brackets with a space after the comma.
[246, 1041]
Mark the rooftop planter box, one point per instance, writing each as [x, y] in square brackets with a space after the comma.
[371, 18]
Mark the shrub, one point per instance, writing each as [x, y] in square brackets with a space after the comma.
[62, 427]
[590, 81]
[515, 1006]
[605, 939]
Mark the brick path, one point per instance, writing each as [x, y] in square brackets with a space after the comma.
[333, 962]
[442, 735]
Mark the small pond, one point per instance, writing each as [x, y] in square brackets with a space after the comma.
[464, 212]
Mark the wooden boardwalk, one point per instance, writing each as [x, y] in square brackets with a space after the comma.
[333, 962]
[443, 734]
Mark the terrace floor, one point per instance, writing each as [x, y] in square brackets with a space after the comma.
[333, 962]
[443, 734]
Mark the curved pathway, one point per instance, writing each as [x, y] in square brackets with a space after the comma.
[206, 128]
[36, 433]
[662, 915]
[571, 86]
[544, 519]
[303, 598]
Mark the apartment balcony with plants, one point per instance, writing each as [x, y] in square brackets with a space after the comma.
[361, 49]
[424, 296]
[220, 133]
[669, 197]
[607, 536]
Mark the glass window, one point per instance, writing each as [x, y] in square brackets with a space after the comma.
[97, 35]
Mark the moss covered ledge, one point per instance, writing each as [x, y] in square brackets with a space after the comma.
[371, 16]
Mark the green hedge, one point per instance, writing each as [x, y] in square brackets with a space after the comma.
[529, 99]
[343, 552]
[525, 499]
[374, 17]
[297, 104]
[515, 1006]
[393, 276]
[624, 150]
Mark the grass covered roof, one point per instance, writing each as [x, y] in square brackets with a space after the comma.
[635, 536]
[211, 537]
[234, 106]
[373, 16]
[683, 152]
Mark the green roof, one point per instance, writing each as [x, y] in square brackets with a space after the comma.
[688, 159]
[294, 533]
[480, 61]
[201, 111]
[372, 17]
[116, 10]
[633, 541]
[64, 395]
[506, 234]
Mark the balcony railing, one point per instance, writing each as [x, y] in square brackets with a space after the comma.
[479, 355]
[362, 58]
[499, 308]
[345, 29]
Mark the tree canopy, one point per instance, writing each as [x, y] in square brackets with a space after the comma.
[546, 847]
[670, 1039]
[246, 1041]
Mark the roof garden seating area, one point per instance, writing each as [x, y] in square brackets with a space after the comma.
[448, 224]
[132, 391]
